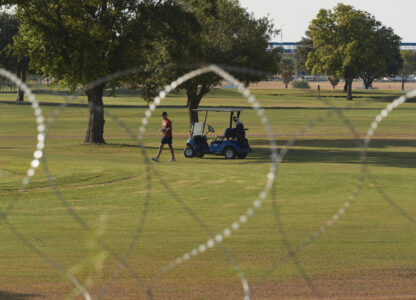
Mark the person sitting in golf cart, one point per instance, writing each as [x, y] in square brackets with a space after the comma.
[232, 144]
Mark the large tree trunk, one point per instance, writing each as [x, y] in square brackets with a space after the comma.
[345, 87]
[348, 82]
[192, 104]
[21, 72]
[195, 95]
[403, 81]
[368, 80]
[95, 130]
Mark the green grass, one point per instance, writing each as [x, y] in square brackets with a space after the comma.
[369, 252]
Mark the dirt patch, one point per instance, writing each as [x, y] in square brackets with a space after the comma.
[387, 284]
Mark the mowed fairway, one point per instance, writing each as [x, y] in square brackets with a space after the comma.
[368, 254]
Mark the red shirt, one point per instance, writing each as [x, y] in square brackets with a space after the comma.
[167, 126]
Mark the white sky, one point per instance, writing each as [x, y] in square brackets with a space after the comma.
[294, 16]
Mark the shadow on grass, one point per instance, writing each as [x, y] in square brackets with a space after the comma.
[384, 158]
[342, 143]
[179, 106]
[350, 154]
[16, 296]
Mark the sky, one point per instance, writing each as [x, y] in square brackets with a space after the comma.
[294, 16]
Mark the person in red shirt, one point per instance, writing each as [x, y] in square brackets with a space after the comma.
[166, 137]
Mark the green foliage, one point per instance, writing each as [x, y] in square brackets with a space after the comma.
[286, 70]
[304, 47]
[300, 84]
[349, 42]
[78, 42]
[230, 36]
[409, 62]
[13, 54]
[9, 27]
[382, 57]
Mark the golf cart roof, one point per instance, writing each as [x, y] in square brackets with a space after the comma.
[219, 109]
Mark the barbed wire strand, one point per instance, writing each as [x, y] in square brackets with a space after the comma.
[275, 208]
[292, 252]
[83, 224]
[361, 178]
[370, 133]
[30, 173]
[218, 238]
[148, 113]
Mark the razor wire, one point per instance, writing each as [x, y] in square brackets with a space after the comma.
[38, 154]
[363, 154]
[271, 176]
[65, 204]
[190, 212]
[84, 225]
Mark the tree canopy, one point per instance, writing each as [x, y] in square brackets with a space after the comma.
[230, 36]
[286, 70]
[11, 57]
[351, 43]
[409, 64]
[78, 42]
[301, 55]
[382, 55]
[9, 27]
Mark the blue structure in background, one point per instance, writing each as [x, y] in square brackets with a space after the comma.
[290, 47]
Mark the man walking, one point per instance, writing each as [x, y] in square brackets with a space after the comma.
[166, 137]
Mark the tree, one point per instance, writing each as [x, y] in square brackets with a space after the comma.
[334, 80]
[409, 65]
[302, 50]
[230, 36]
[382, 57]
[78, 42]
[345, 41]
[287, 70]
[12, 58]
[9, 27]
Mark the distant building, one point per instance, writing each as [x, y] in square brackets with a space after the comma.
[290, 47]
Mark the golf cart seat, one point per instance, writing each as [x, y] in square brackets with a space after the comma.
[230, 133]
[219, 139]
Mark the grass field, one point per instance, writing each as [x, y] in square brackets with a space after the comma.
[368, 254]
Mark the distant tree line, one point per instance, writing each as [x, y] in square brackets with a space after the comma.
[348, 43]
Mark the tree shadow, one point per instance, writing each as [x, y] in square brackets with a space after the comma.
[346, 151]
[85, 104]
[379, 158]
[17, 296]
[342, 143]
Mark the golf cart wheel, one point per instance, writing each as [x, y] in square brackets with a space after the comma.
[229, 153]
[242, 155]
[189, 152]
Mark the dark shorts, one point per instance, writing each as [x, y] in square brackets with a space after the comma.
[166, 140]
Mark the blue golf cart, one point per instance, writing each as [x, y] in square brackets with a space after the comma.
[232, 144]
